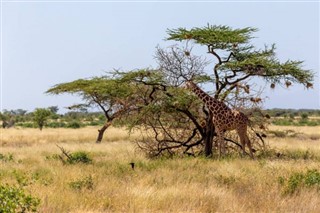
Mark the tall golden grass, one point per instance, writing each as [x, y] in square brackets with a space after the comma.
[158, 185]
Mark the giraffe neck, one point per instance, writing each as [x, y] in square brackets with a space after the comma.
[209, 101]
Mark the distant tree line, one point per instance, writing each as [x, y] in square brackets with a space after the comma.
[278, 112]
[49, 118]
[294, 117]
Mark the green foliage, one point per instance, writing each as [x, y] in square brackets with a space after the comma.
[13, 199]
[40, 116]
[54, 109]
[276, 112]
[71, 157]
[246, 58]
[282, 122]
[74, 125]
[56, 124]
[79, 157]
[304, 116]
[299, 180]
[82, 183]
[220, 37]
[26, 125]
[98, 90]
[296, 122]
[291, 116]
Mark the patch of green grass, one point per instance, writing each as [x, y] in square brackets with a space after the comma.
[298, 180]
[6, 157]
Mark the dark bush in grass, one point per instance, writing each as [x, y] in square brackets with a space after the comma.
[56, 125]
[72, 157]
[79, 157]
[74, 125]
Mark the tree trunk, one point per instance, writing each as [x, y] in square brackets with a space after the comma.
[102, 130]
[209, 136]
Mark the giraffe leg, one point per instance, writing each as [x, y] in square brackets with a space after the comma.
[243, 143]
[222, 147]
[248, 142]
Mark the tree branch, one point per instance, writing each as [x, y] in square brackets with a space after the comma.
[193, 119]
[211, 50]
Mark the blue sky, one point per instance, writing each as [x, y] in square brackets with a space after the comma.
[46, 43]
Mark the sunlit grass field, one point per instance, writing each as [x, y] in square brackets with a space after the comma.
[109, 184]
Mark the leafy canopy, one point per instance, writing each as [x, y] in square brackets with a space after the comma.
[219, 36]
[238, 58]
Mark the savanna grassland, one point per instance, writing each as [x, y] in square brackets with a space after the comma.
[284, 179]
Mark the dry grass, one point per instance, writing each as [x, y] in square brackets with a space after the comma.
[307, 138]
[300, 129]
[161, 185]
[28, 137]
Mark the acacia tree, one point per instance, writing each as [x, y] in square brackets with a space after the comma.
[114, 98]
[176, 118]
[40, 117]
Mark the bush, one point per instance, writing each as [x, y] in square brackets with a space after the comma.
[300, 180]
[291, 116]
[79, 157]
[13, 199]
[56, 125]
[282, 122]
[72, 158]
[304, 116]
[74, 125]
[26, 125]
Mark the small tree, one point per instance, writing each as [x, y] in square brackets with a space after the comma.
[40, 116]
[9, 118]
[304, 116]
[116, 99]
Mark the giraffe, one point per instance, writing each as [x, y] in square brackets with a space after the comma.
[224, 119]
